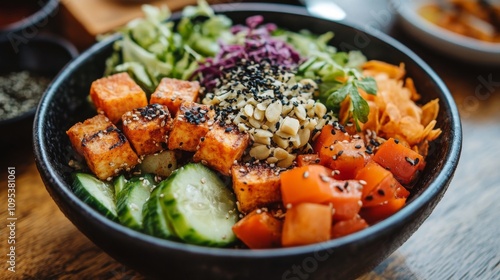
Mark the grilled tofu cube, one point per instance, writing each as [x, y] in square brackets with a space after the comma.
[89, 127]
[255, 186]
[108, 152]
[191, 123]
[116, 94]
[147, 128]
[173, 92]
[221, 147]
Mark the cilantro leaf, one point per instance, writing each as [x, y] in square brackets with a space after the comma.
[336, 97]
[368, 84]
[360, 108]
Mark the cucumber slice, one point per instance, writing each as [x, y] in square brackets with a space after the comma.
[200, 208]
[161, 164]
[119, 184]
[155, 222]
[96, 193]
[131, 199]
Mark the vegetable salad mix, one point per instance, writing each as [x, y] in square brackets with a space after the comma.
[249, 135]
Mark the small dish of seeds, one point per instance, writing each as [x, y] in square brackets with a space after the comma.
[26, 70]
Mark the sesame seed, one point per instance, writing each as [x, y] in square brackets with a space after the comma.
[410, 161]
[324, 178]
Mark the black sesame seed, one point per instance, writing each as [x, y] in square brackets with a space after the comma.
[374, 142]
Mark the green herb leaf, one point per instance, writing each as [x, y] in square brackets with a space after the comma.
[335, 99]
[327, 88]
[360, 108]
[368, 84]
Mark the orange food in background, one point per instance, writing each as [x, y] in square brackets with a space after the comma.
[464, 17]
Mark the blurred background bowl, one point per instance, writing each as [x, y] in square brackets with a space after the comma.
[26, 18]
[449, 43]
[40, 57]
[65, 103]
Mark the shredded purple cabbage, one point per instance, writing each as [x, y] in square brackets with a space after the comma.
[259, 46]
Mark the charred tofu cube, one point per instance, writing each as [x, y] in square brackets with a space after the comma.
[221, 147]
[173, 92]
[147, 128]
[116, 94]
[89, 127]
[108, 152]
[255, 186]
[190, 124]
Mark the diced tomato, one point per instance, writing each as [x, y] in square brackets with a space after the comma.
[307, 223]
[328, 136]
[346, 199]
[346, 227]
[344, 157]
[310, 183]
[402, 161]
[380, 187]
[259, 230]
[377, 213]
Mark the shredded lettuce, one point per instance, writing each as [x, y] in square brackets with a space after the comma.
[153, 47]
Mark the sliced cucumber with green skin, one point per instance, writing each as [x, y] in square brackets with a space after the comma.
[119, 184]
[131, 199]
[155, 222]
[200, 208]
[96, 193]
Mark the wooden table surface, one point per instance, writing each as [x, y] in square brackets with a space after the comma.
[460, 240]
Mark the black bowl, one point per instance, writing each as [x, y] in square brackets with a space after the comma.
[43, 55]
[29, 26]
[343, 258]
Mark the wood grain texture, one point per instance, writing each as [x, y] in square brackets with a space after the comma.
[460, 240]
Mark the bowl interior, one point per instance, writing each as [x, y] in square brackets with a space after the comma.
[65, 104]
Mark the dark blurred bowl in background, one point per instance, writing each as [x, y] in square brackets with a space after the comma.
[41, 56]
[24, 19]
